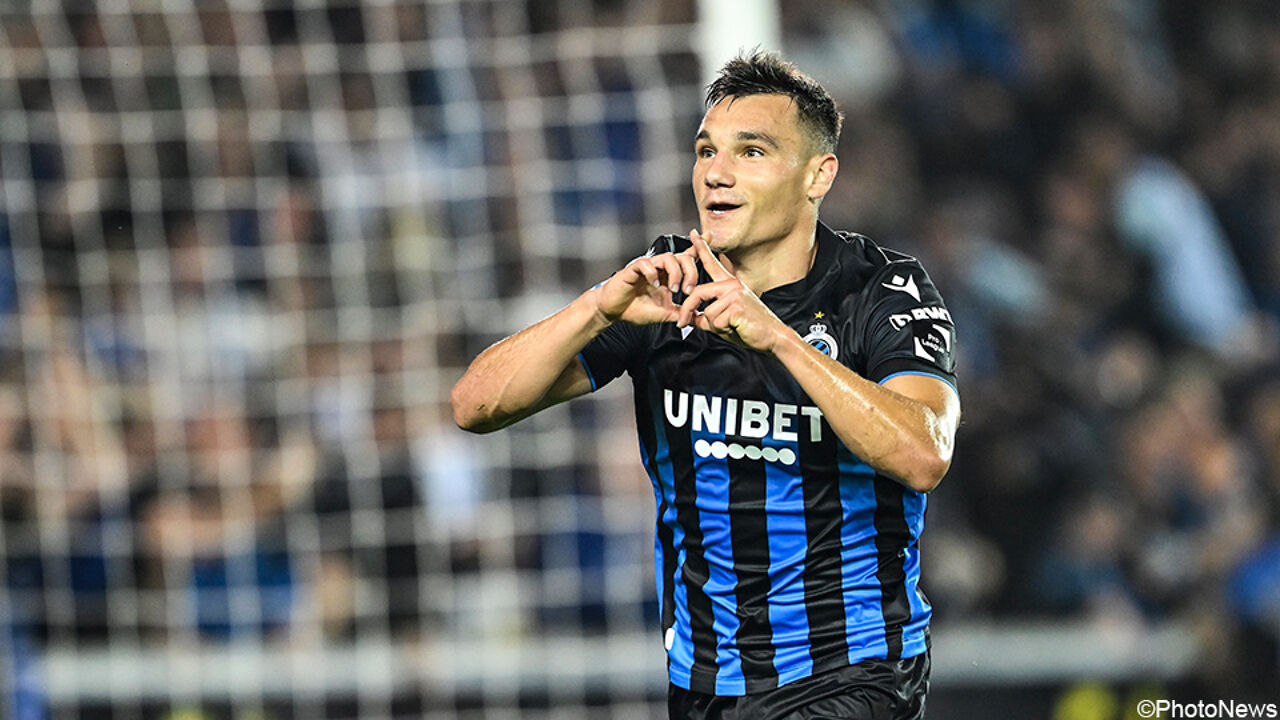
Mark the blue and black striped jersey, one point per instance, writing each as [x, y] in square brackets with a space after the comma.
[778, 553]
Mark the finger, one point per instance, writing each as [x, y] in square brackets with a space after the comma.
[644, 266]
[719, 320]
[671, 267]
[697, 296]
[689, 265]
[710, 262]
[707, 324]
[723, 326]
[720, 315]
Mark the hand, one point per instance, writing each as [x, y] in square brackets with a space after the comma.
[641, 293]
[735, 313]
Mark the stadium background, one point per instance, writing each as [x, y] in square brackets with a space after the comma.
[246, 246]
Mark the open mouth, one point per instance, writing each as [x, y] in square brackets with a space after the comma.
[721, 208]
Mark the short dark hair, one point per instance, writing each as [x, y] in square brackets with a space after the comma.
[766, 73]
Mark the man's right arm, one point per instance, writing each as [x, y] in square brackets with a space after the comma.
[538, 366]
[529, 371]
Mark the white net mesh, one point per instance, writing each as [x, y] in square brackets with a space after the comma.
[245, 248]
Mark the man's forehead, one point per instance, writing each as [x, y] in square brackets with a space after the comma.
[771, 114]
[760, 102]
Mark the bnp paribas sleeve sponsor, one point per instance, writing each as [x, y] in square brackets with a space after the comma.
[901, 320]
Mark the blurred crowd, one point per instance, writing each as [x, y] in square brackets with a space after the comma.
[1095, 188]
[217, 412]
[244, 254]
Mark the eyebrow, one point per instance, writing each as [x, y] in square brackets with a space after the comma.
[746, 136]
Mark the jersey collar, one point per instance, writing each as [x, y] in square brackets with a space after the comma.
[827, 240]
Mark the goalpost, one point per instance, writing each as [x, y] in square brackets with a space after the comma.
[245, 248]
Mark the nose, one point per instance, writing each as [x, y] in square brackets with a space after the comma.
[719, 172]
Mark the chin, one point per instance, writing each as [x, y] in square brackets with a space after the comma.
[721, 235]
[721, 243]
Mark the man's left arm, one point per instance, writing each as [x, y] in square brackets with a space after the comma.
[904, 428]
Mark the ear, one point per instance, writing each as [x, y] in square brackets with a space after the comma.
[822, 172]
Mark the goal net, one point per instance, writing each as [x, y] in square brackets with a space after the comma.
[246, 246]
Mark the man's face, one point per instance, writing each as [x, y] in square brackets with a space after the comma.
[753, 172]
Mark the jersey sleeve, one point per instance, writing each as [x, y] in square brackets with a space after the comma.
[908, 328]
[620, 346]
[612, 353]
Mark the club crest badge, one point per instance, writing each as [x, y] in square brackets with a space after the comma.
[823, 340]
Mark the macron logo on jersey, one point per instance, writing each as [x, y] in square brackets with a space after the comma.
[903, 284]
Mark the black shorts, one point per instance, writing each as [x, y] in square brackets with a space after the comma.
[870, 690]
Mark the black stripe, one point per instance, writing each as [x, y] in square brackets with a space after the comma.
[749, 533]
[667, 543]
[823, 578]
[695, 571]
[666, 537]
[892, 536]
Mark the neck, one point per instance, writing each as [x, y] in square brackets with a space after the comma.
[766, 266]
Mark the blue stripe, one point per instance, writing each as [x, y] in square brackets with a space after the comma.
[913, 635]
[681, 652]
[592, 378]
[788, 543]
[922, 374]
[658, 494]
[712, 477]
[864, 619]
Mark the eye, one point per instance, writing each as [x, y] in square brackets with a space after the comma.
[753, 151]
[705, 151]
